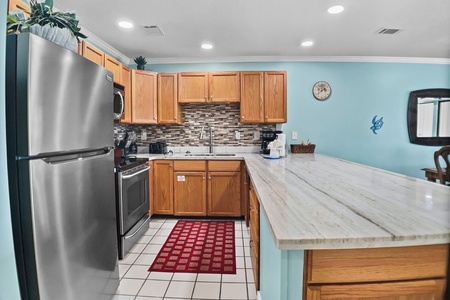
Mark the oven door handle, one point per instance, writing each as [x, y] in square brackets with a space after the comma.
[139, 229]
[137, 173]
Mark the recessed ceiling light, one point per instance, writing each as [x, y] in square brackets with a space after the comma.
[125, 24]
[207, 46]
[336, 9]
[307, 43]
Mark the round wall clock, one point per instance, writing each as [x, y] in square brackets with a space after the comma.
[321, 90]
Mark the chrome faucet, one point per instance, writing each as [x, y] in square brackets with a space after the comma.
[210, 136]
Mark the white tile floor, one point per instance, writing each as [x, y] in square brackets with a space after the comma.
[136, 283]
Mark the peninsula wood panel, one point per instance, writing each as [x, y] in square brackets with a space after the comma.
[114, 66]
[224, 87]
[93, 54]
[252, 94]
[169, 111]
[189, 193]
[377, 264]
[275, 97]
[224, 194]
[192, 87]
[163, 187]
[143, 97]
[245, 194]
[409, 290]
[126, 82]
[254, 234]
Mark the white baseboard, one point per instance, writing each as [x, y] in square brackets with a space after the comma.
[259, 295]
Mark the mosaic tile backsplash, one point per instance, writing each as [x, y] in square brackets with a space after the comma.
[223, 118]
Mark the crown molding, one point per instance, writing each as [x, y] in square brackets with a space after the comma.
[105, 47]
[374, 59]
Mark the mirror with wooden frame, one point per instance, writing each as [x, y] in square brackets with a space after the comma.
[429, 117]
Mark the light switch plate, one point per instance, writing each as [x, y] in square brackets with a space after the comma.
[294, 135]
[237, 135]
[256, 135]
[144, 135]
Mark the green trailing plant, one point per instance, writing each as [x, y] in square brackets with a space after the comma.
[140, 61]
[307, 143]
[42, 13]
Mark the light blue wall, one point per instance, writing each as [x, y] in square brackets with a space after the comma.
[281, 271]
[9, 288]
[341, 125]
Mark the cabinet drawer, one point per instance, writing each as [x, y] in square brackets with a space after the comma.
[189, 165]
[224, 165]
[377, 264]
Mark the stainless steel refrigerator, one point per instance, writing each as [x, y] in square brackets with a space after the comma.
[59, 113]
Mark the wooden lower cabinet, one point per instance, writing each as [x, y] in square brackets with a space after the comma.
[396, 273]
[254, 234]
[190, 194]
[163, 187]
[403, 290]
[224, 194]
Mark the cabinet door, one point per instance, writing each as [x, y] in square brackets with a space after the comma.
[406, 290]
[114, 66]
[224, 194]
[163, 187]
[252, 93]
[169, 111]
[224, 87]
[192, 87]
[93, 54]
[19, 5]
[254, 235]
[143, 97]
[126, 82]
[275, 97]
[189, 193]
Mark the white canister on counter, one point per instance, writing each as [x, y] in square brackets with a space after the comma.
[282, 139]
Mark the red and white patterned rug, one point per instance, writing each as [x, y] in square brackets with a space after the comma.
[198, 247]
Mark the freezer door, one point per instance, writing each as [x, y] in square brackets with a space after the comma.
[69, 225]
[65, 100]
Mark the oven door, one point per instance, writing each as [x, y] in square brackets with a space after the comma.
[133, 197]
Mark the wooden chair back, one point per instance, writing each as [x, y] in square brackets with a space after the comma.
[443, 171]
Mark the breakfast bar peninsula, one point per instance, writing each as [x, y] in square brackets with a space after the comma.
[333, 229]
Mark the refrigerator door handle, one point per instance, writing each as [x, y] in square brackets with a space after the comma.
[71, 157]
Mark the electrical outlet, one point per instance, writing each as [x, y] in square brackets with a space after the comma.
[144, 135]
[294, 135]
[256, 135]
[237, 135]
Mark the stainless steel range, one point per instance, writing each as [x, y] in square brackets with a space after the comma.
[132, 197]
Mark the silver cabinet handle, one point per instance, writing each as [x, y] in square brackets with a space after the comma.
[137, 173]
[242, 117]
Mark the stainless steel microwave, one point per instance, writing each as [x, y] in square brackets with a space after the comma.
[119, 101]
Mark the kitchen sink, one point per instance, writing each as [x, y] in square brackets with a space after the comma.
[209, 154]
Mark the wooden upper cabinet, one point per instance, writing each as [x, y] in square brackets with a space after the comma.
[143, 97]
[252, 93]
[93, 54]
[208, 87]
[114, 66]
[275, 97]
[19, 5]
[162, 187]
[192, 87]
[126, 82]
[169, 111]
[224, 87]
[263, 97]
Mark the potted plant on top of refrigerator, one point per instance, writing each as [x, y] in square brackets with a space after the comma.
[59, 27]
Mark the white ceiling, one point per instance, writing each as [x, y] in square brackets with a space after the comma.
[252, 30]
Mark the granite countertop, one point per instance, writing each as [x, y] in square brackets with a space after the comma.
[314, 201]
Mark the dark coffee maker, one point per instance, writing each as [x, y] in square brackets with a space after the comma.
[267, 137]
